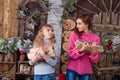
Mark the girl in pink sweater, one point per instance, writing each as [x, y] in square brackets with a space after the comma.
[80, 60]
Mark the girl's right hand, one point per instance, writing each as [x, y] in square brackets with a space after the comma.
[38, 56]
[84, 47]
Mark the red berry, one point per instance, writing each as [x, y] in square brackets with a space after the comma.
[21, 52]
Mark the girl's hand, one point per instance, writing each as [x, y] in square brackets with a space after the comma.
[38, 56]
[41, 50]
[93, 48]
[42, 53]
[85, 46]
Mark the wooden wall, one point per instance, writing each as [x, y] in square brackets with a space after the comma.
[8, 18]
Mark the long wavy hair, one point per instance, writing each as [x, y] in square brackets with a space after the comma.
[86, 19]
[39, 40]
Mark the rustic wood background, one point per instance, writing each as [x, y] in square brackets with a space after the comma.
[8, 28]
[8, 18]
[12, 26]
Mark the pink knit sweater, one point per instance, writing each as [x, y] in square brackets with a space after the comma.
[81, 62]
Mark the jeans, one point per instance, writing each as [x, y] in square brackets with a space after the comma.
[45, 77]
[72, 75]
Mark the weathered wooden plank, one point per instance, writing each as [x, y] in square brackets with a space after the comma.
[117, 59]
[97, 18]
[14, 24]
[7, 18]
[10, 22]
[12, 19]
[106, 18]
[1, 17]
[114, 18]
[102, 62]
[21, 27]
[110, 59]
[119, 20]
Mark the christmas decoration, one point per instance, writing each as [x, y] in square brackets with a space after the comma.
[11, 45]
[61, 76]
[22, 53]
[111, 43]
[68, 6]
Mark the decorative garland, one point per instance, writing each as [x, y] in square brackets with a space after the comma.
[11, 45]
[68, 6]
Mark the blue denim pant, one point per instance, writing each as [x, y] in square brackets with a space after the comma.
[72, 75]
[45, 77]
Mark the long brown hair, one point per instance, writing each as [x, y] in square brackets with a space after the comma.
[39, 40]
[86, 19]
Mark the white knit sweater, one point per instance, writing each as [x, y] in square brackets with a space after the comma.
[46, 67]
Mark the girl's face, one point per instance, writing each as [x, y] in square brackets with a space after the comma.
[47, 32]
[81, 25]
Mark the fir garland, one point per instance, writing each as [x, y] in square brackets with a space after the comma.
[11, 45]
[68, 6]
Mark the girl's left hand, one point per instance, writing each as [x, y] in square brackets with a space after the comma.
[93, 48]
[41, 50]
